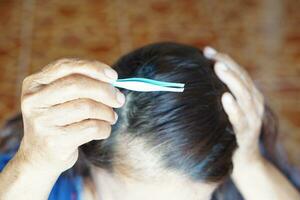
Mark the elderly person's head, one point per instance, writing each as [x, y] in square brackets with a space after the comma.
[168, 145]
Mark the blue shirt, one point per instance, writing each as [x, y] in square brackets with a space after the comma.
[67, 186]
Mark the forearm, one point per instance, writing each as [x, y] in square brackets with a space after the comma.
[259, 179]
[20, 180]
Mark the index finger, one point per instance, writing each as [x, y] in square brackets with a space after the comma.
[66, 67]
[236, 68]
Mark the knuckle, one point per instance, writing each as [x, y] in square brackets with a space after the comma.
[98, 65]
[106, 130]
[26, 103]
[107, 88]
[111, 115]
[101, 129]
[81, 62]
[71, 63]
[64, 61]
[54, 64]
[26, 80]
[109, 91]
[71, 82]
[85, 62]
[108, 113]
[60, 63]
[28, 83]
[94, 126]
[84, 105]
[96, 62]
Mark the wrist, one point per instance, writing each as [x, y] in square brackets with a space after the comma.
[34, 158]
[244, 162]
[246, 156]
[30, 165]
[20, 178]
[245, 165]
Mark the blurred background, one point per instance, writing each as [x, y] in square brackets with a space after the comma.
[262, 35]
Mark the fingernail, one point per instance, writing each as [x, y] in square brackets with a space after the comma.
[110, 73]
[120, 97]
[221, 66]
[209, 52]
[227, 98]
[116, 117]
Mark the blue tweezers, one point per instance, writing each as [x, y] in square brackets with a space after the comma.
[148, 85]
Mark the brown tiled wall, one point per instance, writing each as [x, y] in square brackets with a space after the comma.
[262, 35]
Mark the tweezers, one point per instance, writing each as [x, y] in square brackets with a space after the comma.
[148, 85]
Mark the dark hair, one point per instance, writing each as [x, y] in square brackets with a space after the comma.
[192, 126]
[190, 130]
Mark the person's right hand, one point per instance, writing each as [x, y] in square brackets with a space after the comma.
[65, 105]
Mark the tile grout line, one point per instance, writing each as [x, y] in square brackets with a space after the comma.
[26, 31]
[123, 26]
[272, 14]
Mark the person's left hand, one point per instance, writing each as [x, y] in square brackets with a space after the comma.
[245, 110]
